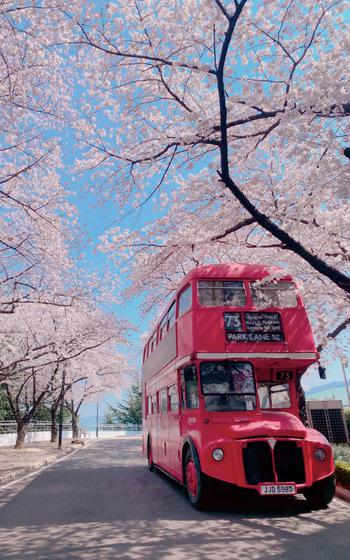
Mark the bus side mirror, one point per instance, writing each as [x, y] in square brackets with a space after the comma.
[322, 372]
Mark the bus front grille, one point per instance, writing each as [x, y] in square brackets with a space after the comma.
[289, 462]
[258, 465]
[257, 461]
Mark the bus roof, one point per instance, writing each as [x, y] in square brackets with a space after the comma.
[227, 270]
[233, 270]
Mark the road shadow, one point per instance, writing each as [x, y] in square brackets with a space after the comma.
[87, 509]
[226, 498]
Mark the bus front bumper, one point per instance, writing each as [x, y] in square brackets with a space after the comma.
[262, 464]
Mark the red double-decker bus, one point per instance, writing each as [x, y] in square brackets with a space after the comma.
[221, 388]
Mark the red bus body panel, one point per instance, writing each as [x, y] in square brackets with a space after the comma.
[198, 336]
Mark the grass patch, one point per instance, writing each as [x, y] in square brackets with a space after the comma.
[342, 474]
[342, 464]
[341, 453]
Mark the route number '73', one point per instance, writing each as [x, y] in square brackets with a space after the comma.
[284, 375]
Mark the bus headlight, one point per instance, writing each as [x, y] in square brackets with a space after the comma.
[218, 454]
[319, 454]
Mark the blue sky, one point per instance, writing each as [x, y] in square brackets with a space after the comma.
[95, 220]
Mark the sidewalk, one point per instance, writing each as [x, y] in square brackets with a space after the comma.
[16, 463]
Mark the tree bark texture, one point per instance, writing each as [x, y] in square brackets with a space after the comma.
[75, 427]
[339, 278]
[22, 429]
[54, 429]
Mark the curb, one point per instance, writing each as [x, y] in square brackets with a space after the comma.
[25, 471]
[342, 494]
[21, 472]
[32, 468]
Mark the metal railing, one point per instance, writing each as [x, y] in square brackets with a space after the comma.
[10, 427]
[120, 427]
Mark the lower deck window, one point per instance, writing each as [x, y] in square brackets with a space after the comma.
[154, 404]
[189, 387]
[163, 401]
[274, 395]
[173, 398]
[228, 386]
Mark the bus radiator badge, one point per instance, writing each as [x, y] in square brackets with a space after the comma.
[272, 443]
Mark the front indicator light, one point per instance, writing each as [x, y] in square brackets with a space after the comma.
[319, 454]
[218, 454]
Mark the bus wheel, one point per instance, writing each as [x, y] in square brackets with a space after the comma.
[321, 493]
[196, 484]
[150, 457]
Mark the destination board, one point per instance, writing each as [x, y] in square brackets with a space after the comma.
[254, 337]
[263, 322]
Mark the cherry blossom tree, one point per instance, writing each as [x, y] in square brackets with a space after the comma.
[231, 117]
[53, 349]
[104, 372]
[36, 219]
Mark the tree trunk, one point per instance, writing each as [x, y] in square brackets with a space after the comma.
[54, 430]
[22, 429]
[75, 430]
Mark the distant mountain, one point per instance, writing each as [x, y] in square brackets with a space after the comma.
[326, 387]
[335, 390]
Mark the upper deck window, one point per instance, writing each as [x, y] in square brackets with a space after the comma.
[230, 385]
[171, 316]
[279, 294]
[167, 322]
[153, 342]
[215, 294]
[145, 352]
[185, 301]
[163, 327]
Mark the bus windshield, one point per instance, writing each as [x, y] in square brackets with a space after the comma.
[228, 386]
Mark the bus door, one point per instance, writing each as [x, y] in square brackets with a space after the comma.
[189, 417]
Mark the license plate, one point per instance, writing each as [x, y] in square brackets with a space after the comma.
[277, 489]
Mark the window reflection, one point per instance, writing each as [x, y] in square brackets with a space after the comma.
[185, 301]
[277, 294]
[230, 385]
[274, 395]
[230, 294]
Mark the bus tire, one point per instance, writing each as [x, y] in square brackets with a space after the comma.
[150, 456]
[321, 493]
[196, 483]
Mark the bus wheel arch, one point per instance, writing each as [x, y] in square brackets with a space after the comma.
[188, 445]
[321, 493]
[195, 481]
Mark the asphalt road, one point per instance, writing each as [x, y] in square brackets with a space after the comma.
[103, 503]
